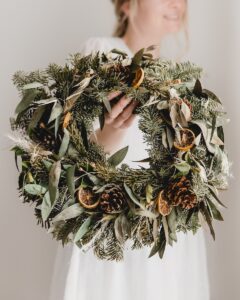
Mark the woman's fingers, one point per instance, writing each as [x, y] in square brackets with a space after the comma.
[117, 109]
[124, 116]
[113, 94]
[128, 122]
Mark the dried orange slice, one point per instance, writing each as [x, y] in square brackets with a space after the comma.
[174, 81]
[187, 137]
[163, 207]
[87, 199]
[139, 76]
[67, 119]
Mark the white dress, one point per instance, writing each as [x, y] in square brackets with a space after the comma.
[181, 274]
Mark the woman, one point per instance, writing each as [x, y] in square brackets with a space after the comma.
[182, 274]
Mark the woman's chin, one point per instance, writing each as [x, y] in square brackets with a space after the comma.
[173, 26]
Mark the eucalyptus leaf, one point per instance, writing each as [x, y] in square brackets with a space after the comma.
[162, 105]
[47, 164]
[64, 144]
[118, 229]
[54, 176]
[207, 217]
[32, 85]
[83, 229]
[214, 121]
[145, 213]
[28, 97]
[35, 189]
[118, 157]
[95, 180]
[170, 137]
[166, 229]
[57, 110]
[56, 125]
[215, 212]
[46, 101]
[162, 243]
[70, 180]
[70, 212]
[36, 117]
[70, 101]
[46, 206]
[137, 59]
[156, 247]
[214, 194]
[174, 115]
[120, 52]
[212, 95]
[183, 167]
[164, 139]
[133, 197]
[172, 221]
[186, 111]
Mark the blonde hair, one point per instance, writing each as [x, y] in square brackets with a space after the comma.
[122, 20]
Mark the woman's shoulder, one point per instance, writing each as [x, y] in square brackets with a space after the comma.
[98, 43]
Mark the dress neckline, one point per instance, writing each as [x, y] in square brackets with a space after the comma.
[125, 46]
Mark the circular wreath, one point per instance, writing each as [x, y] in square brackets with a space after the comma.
[81, 194]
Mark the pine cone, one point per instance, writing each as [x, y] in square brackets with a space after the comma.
[112, 199]
[179, 193]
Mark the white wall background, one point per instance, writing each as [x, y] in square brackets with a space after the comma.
[34, 33]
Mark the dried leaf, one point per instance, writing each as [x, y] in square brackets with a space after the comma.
[186, 111]
[70, 101]
[54, 176]
[149, 193]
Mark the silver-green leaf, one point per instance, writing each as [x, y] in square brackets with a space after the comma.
[83, 229]
[118, 157]
[64, 144]
[35, 189]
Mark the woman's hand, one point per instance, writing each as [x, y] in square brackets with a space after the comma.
[116, 123]
[121, 116]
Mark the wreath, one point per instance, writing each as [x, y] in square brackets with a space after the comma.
[91, 198]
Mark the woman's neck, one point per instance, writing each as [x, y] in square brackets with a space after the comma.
[135, 42]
